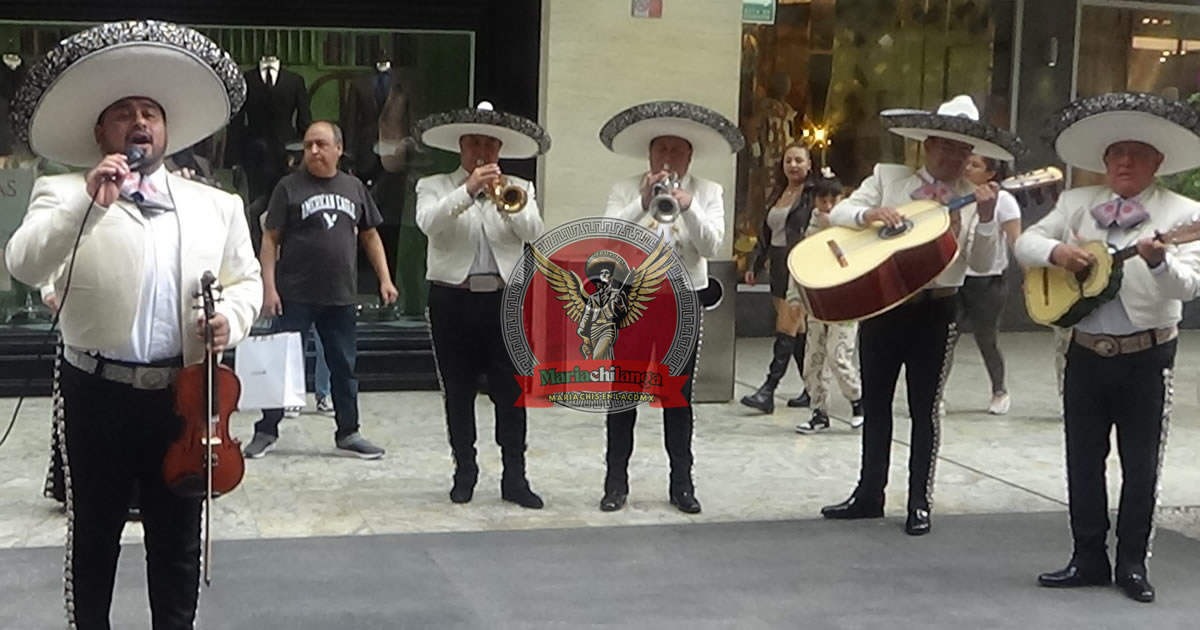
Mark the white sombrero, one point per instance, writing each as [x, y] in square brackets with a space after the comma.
[197, 84]
[630, 132]
[958, 120]
[1082, 131]
[520, 137]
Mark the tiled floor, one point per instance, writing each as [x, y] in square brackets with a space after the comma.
[749, 466]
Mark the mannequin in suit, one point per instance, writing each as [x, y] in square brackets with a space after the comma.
[376, 116]
[276, 112]
[12, 69]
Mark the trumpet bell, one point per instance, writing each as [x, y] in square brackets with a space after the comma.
[666, 208]
[509, 199]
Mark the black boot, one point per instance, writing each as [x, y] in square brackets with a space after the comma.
[514, 487]
[465, 477]
[803, 400]
[616, 491]
[764, 398]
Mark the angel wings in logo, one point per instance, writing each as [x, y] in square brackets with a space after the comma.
[621, 298]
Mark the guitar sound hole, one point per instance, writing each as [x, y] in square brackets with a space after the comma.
[888, 231]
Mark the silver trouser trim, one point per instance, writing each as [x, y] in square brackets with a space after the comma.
[1168, 394]
[947, 364]
[69, 494]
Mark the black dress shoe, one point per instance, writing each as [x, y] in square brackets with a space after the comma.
[613, 500]
[1074, 577]
[853, 508]
[686, 502]
[918, 523]
[803, 400]
[522, 495]
[1136, 587]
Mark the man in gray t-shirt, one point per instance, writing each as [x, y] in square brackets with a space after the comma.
[309, 260]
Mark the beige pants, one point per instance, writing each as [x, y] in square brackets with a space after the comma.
[830, 347]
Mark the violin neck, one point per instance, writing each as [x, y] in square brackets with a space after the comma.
[961, 202]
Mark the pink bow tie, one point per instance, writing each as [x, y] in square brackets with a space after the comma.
[937, 191]
[1123, 213]
[138, 189]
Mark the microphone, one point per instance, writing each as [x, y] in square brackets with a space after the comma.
[134, 158]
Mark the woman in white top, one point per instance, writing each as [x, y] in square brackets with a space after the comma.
[983, 295]
[789, 211]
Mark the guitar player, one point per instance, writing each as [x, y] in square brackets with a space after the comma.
[1121, 355]
[919, 334]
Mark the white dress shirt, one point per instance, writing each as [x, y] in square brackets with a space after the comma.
[892, 185]
[267, 78]
[1148, 298]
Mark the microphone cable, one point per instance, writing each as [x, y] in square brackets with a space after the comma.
[134, 157]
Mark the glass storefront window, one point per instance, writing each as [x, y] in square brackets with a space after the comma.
[338, 71]
[1140, 50]
[825, 69]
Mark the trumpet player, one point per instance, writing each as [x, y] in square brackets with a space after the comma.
[478, 220]
[689, 212]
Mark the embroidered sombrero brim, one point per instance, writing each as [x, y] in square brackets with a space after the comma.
[197, 84]
[630, 132]
[987, 140]
[520, 137]
[1081, 132]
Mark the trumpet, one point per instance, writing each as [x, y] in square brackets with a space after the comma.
[663, 203]
[508, 198]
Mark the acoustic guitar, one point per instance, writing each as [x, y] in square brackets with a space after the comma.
[1057, 297]
[847, 274]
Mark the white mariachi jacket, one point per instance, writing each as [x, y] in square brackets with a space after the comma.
[454, 223]
[107, 278]
[696, 234]
[892, 185]
[1151, 299]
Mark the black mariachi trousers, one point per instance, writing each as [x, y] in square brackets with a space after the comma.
[1132, 392]
[116, 435]
[678, 424]
[920, 337]
[467, 343]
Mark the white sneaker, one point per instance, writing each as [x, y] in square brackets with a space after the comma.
[1000, 404]
[292, 412]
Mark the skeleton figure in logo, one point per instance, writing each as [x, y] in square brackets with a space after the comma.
[616, 304]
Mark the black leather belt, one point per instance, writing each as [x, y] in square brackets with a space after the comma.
[928, 295]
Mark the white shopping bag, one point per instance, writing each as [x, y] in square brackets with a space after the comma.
[271, 369]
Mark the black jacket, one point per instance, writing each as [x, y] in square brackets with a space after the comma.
[798, 218]
[275, 115]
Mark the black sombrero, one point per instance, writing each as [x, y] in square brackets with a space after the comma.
[1082, 131]
[709, 132]
[958, 120]
[197, 84]
[520, 137]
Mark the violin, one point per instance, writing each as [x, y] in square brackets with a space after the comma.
[205, 461]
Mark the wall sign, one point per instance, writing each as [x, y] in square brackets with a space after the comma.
[758, 11]
[647, 8]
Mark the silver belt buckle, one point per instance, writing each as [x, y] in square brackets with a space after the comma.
[151, 378]
[1106, 346]
[484, 284]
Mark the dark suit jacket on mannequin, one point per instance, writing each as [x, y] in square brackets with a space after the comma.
[360, 115]
[271, 117]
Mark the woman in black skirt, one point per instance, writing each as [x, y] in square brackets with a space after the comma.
[789, 209]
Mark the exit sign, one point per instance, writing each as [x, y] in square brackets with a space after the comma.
[758, 11]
